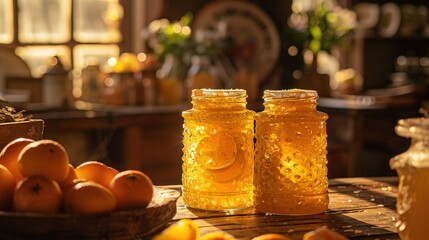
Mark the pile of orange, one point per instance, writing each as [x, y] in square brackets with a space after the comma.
[187, 229]
[37, 177]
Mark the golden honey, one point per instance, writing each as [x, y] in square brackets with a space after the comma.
[412, 203]
[218, 139]
[412, 167]
[290, 154]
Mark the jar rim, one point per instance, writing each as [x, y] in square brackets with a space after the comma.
[290, 93]
[214, 93]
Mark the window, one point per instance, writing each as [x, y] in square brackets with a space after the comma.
[6, 21]
[44, 21]
[97, 21]
[74, 30]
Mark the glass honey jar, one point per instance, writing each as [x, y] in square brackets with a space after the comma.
[412, 167]
[218, 151]
[290, 154]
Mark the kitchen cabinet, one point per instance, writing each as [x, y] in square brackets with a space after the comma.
[395, 50]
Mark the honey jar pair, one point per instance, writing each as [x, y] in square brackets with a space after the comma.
[283, 172]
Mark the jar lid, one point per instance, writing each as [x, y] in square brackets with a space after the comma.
[417, 128]
[290, 93]
[219, 97]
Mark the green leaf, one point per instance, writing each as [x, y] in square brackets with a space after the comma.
[316, 32]
[315, 45]
[186, 19]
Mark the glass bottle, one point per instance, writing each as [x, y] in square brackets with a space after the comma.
[55, 84]
[218, 150]
[290, 154]
[170, 84]
[412, 167]
[92, 83]
[201, 75]
[146, 80]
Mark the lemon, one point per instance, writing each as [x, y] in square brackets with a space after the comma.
[184, 229]
[217, 151]
[271, 236]
[217, 236]
[229, 173]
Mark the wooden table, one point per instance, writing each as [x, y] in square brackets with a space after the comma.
[359, 208]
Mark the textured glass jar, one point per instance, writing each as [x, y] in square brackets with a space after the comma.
[290, 156]
[412, 167]
[218, 151]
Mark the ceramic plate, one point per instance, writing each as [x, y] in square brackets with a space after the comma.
[390, 20]
[253, 40]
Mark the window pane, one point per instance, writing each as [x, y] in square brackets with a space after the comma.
[86, 54]
[97, 21]
[99, 53]
[6, 21]
[43, 21]
[37, 57]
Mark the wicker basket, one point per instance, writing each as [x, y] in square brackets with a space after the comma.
[136, 224]
[27, 129]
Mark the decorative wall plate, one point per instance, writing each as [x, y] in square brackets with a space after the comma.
[253, 39]
[390, 20]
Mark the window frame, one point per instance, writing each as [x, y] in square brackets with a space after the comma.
[125, 28]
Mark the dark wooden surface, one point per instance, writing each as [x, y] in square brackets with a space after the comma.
[359, 208]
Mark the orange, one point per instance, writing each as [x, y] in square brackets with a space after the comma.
[9, 155]
[7, 186]
[70, 176]
[323, 233]
[66, 187]
[37, 194]
[184, 229]
[97, 172]
[132, 190]
[89, 197]
[271, 236]
[130, 62]
[46, 158]
[217, 236]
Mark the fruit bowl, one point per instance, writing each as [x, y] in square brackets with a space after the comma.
[132, 224]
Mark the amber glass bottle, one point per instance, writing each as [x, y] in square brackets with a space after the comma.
[218, 151]
[412, 167]
[290, 156]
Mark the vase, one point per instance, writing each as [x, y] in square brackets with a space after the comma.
[313, 80]
[170, 82]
